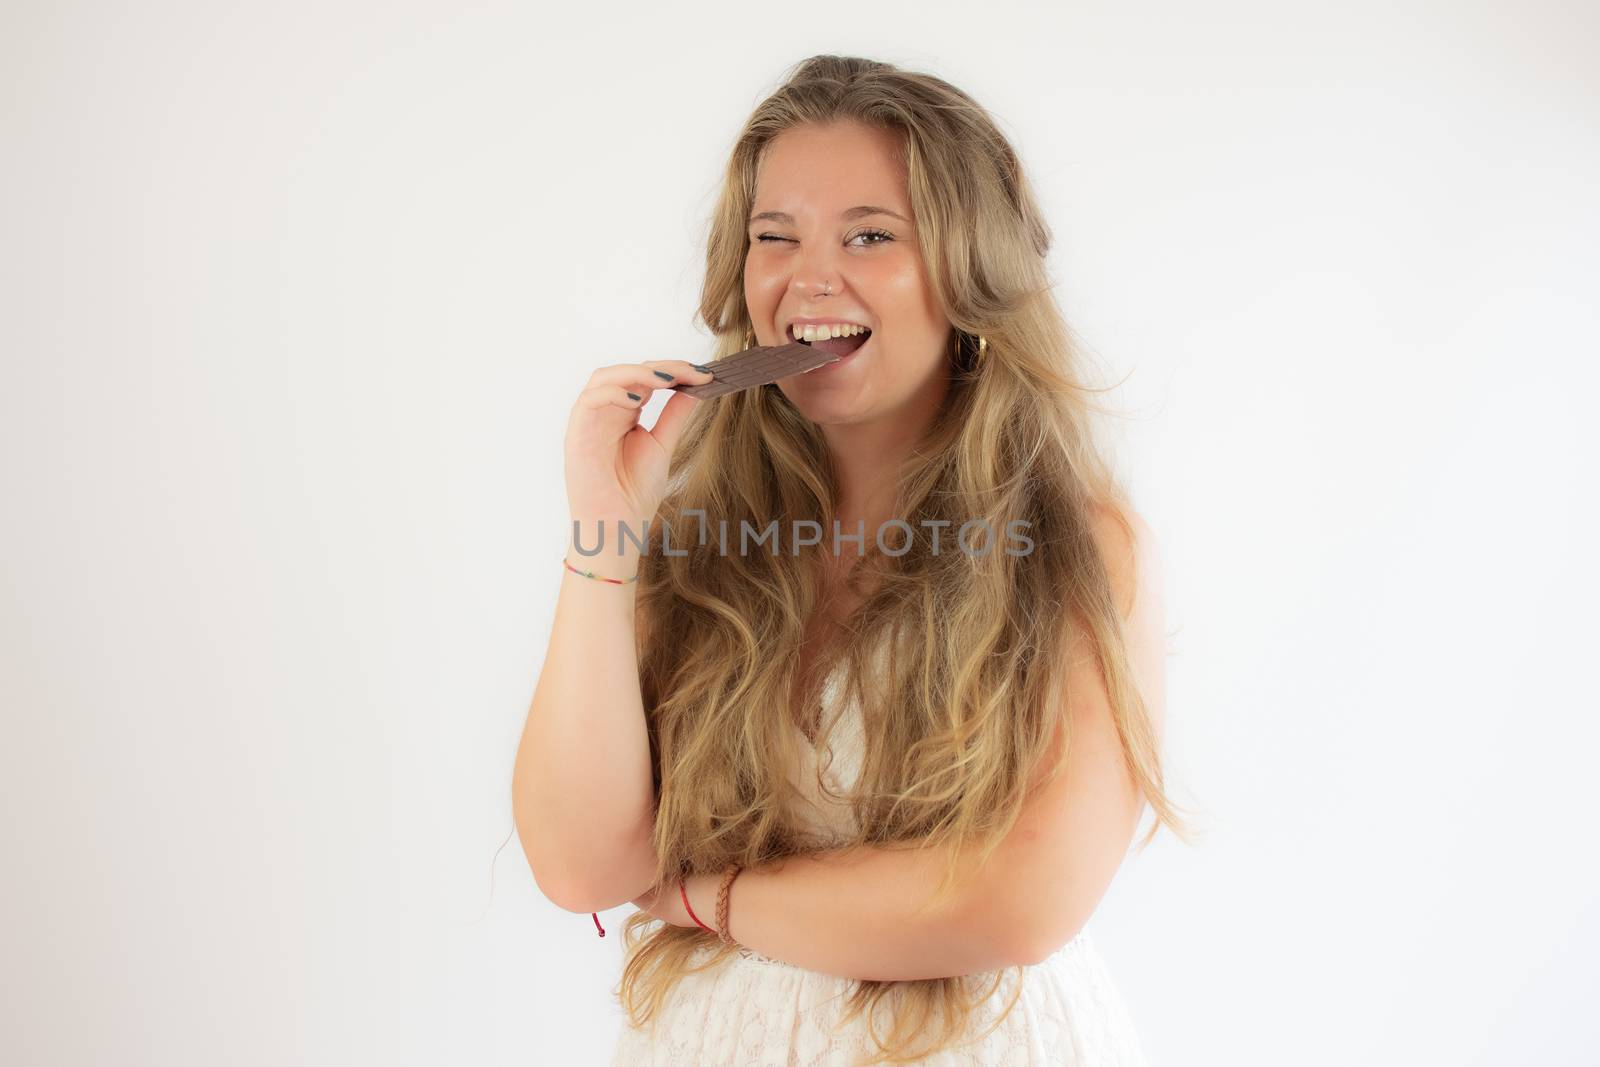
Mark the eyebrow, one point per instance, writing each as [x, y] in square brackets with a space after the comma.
[852, 213]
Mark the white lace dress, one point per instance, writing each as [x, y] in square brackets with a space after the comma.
[755, 1011]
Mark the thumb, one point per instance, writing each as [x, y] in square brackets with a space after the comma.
[671, 420]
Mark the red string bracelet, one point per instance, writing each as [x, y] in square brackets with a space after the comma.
[685, 894]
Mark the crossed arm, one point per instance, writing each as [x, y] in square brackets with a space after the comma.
[850, 911]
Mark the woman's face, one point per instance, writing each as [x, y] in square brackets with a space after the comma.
[814, 256]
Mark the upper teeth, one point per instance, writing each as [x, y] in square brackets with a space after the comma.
[810, 332]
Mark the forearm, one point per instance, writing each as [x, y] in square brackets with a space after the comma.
[583, 795]
[849, 912]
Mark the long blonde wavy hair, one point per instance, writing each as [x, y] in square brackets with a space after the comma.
[971, 698]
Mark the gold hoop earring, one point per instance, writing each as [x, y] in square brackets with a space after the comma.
[978, 356]
[749, 339]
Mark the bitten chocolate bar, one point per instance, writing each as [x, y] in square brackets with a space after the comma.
[758, 366]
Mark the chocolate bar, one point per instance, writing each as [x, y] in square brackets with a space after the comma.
[758, 366]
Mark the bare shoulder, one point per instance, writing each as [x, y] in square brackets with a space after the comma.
[1135, 566]
[1132, 557]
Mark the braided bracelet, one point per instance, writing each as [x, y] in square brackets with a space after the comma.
[722, 903]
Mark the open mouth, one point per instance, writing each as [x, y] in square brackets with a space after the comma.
[838, 346]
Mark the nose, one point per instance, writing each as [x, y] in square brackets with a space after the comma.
[816, 272]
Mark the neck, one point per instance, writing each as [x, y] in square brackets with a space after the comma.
[867, 457]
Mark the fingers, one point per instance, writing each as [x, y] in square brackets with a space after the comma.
[641, 378]
[604, 396]
[669, 424]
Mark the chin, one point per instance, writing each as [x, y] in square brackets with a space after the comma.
[824, 406]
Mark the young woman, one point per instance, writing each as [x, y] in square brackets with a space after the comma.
[867, 790]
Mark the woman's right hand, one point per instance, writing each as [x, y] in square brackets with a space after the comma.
[615, 468]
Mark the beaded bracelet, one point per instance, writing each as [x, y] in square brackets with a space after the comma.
[596, 577]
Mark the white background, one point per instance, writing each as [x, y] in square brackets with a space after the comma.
[296, 298]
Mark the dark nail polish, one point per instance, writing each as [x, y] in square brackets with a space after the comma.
[701, 367]
[633, 396]
[664, 375]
